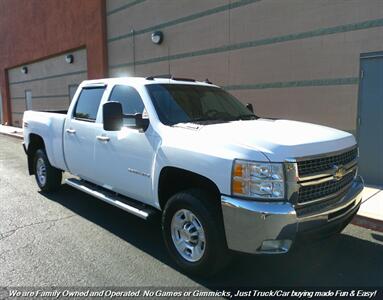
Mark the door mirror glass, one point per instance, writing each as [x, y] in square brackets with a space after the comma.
[250, 107]
[112, 116]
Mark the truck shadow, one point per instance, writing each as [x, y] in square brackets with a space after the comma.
[341, 260]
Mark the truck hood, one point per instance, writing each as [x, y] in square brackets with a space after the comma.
[281, 139]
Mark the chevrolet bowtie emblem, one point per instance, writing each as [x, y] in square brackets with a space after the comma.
[340, 171]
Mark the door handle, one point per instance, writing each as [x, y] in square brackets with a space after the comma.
[103, 138]
[71, 131]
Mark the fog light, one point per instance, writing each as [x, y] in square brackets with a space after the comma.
[276, 246]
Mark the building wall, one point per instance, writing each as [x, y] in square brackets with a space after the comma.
[292, 59]
[49, 81]
[1, 109]
[35, 30]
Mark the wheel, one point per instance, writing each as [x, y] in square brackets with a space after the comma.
[193, 232]
[48, 178]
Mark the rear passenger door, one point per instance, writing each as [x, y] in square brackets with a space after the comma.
[80, 133]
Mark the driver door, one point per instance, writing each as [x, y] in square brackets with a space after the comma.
[124, 158]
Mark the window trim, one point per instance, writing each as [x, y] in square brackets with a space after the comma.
[78, 98]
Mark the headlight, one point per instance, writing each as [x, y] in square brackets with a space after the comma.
[258, 180]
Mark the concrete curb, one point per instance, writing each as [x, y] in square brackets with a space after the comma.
[368, 223]
[12, 135]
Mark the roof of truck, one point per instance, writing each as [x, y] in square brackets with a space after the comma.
[146, 80]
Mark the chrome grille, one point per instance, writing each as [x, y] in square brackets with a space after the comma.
[317, 191]
[317, 165]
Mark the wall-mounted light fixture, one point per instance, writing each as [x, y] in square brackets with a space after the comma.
[24, 70]
[157, 37]
[69, 58]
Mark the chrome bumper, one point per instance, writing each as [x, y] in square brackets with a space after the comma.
[272, 227]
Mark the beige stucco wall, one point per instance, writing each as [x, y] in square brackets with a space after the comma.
[253, 48]
[49, 81]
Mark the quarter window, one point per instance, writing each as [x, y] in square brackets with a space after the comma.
[88, 103]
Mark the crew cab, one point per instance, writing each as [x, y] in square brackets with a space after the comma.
[222, 178]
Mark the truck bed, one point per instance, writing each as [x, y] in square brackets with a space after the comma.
[50, 126]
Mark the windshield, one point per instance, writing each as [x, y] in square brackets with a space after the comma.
[184, 103]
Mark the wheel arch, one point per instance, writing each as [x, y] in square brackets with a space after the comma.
[35, 142]
[173, 180]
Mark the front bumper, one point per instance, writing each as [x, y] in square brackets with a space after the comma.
[272, 227]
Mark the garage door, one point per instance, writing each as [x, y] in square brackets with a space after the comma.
[45, 85]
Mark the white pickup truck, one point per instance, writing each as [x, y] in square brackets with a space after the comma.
[222, 178]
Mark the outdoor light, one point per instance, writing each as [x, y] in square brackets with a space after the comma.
[157, 37]
[24, 70]
[69, 59]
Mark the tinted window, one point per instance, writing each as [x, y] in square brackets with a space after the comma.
[130, 100]
[181, 103]
[88, 103]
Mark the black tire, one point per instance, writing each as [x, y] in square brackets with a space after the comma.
[53, 176]
[216, 255]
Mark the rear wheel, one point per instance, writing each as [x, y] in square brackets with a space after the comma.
[48, 178]
[193, 233]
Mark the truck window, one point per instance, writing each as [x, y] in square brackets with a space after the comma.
[130, 100]
[182, 103]
[88, 103]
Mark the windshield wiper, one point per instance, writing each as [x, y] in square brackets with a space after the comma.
[219, 120]
[246, 117]
[200, 119]
[203, 119]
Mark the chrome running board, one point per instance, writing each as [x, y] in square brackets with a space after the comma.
[131, 206]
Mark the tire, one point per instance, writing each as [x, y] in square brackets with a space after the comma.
[48, 178]
[183, 228]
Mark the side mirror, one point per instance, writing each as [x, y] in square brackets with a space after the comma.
[112, 116]
[141, 123]
[249, 106]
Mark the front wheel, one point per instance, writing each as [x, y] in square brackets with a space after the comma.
[193, 233]
[48, 178]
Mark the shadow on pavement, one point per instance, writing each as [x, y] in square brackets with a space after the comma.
[340, 261]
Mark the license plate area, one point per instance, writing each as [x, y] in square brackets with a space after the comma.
[341, 212]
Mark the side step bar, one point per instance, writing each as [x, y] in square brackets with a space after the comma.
[124, 203]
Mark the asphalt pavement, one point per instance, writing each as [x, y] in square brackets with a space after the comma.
[72, 239]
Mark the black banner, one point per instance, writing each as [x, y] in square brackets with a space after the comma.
[189, 292]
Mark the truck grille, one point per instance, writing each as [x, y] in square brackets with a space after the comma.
[317, 165]
[317, 191]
